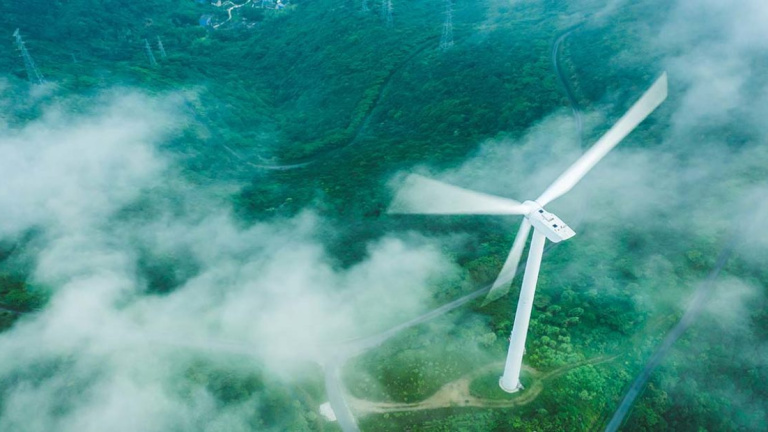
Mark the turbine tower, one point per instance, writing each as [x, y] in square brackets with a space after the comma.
[151, 56]
[421, 195]
[446, 40]
[33, 74]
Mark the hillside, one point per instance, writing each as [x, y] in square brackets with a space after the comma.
[222, 213]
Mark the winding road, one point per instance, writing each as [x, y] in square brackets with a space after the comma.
[563, 82]
[363, 125]
[229, 12]
[458, 393]
[334, 386]
[386, 84]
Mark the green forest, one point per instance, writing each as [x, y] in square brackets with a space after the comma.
[320, 105]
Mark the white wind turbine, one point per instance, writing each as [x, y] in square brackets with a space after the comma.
[421, 195]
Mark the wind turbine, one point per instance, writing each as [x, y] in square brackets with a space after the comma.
[421, 195]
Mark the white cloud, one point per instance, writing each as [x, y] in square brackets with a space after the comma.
[117, 353]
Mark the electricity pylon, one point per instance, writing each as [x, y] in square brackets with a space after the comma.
[446, 40]
[151, 56]
[386, 12]
[161, 48]
[33, 74]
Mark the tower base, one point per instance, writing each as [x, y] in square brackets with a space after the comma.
[510, 390]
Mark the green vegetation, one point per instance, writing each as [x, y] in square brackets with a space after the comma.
[419, 361]
[232, 382]
[324, 84]
[17, 297]
[486, 386]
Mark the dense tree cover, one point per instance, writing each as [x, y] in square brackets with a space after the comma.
[342, 62]
[421, 360]
[324, 83]
[712, 375]
[275, 406]
[17, 295]
[578, 318]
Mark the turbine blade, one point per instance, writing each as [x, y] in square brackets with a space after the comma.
[422, 195]
[503, 281]
[652, 98]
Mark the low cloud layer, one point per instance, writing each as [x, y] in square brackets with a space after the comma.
[105, 216]
[109, 222]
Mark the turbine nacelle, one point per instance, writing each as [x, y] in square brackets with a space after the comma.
[547, 223]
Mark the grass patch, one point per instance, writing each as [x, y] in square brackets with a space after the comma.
[486, 386]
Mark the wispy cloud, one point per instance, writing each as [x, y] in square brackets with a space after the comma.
[109, 352]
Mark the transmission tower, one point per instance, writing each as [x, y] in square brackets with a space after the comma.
[33, 74]
[151, 56]
[446, 40]
[365, 6]
[386, 12]
[161, 48]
